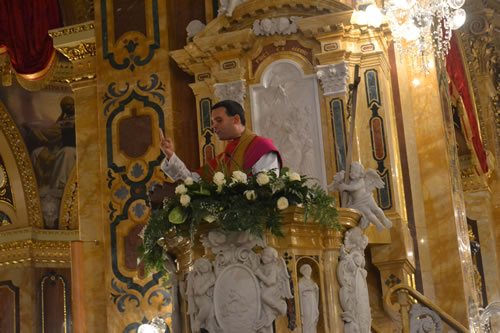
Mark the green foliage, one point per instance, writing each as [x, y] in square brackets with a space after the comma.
[235, 203]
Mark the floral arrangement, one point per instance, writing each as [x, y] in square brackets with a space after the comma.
[235, 203]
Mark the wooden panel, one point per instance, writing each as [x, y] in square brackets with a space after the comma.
[54, 299]
[9, 307]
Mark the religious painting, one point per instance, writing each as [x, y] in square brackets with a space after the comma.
[46, 120]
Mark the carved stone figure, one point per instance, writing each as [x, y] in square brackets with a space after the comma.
[309, 300]
[361, 196]
[200, 286]
[194, 27]
[423, 319]
[226, 7]
[351, 274]
[274, 285]
[276, 25]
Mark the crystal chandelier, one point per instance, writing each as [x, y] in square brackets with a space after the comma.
[419, 27]
[424, 27]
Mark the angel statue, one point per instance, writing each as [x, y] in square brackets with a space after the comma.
[274, 283]
[361, 196]
[200, 289]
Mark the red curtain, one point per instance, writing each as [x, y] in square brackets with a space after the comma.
[456, 72]
[23, 31]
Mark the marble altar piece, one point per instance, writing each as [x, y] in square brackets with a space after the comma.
[285, 108]
[239, 291]
[360, 195]
[351, 274]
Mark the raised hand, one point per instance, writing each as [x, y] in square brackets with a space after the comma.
[166, 145]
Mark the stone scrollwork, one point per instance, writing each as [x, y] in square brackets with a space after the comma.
[239, 291]
[334, 78]
[235, 91]
[423, 319]
[275, 26]
[351, 274]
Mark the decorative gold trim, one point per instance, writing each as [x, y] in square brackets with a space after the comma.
[68, 214]
[37, 251]
[78, 52]
[23, 162]
[74, 29]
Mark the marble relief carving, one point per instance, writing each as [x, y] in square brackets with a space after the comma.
[285, 108]
[235, 91]
[239, 291]
[351, 275]
[334, 78]
[423, 319]
[275, 26]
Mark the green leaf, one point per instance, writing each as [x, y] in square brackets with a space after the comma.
[177, 215]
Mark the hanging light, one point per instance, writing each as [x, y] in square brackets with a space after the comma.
[424, 27]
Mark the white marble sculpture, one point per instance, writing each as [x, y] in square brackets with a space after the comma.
[309, 300]
[200, 288]
[275, 285]
[244, 292]
[226, 7]
[423, 320]
[351, 274]
[194, 27]
[235, 90]
[360, 194]
[334, 78]
[275, 26]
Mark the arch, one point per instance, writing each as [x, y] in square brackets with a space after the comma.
[26, 209]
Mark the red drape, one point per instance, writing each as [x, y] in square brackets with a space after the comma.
[456, 72]
[23, 31]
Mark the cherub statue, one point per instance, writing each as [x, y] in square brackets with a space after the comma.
[226, 7]
[361, 196]
[200, 290]
[274, 284]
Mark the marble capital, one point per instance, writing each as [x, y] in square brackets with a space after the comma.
[235, 91]
[334, 78]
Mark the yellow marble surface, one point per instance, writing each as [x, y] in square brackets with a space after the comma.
[447, 259]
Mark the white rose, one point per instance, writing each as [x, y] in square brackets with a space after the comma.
[188, 181]
[219, 178]
[262, 178]
[282, 203]
[219, 188]
[181, 189]
[294, 177]
[250, 195]
[186, 199]
[239, 177]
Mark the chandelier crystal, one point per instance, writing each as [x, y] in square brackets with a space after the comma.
[424, 27]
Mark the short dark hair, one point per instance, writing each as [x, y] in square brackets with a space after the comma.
[232, 109]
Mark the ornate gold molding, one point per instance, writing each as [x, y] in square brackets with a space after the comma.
[81, 51]
[77, 43]
[72, 30]
[38, 246]
[23, 162]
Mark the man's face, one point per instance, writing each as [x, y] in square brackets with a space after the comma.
[225, 126]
